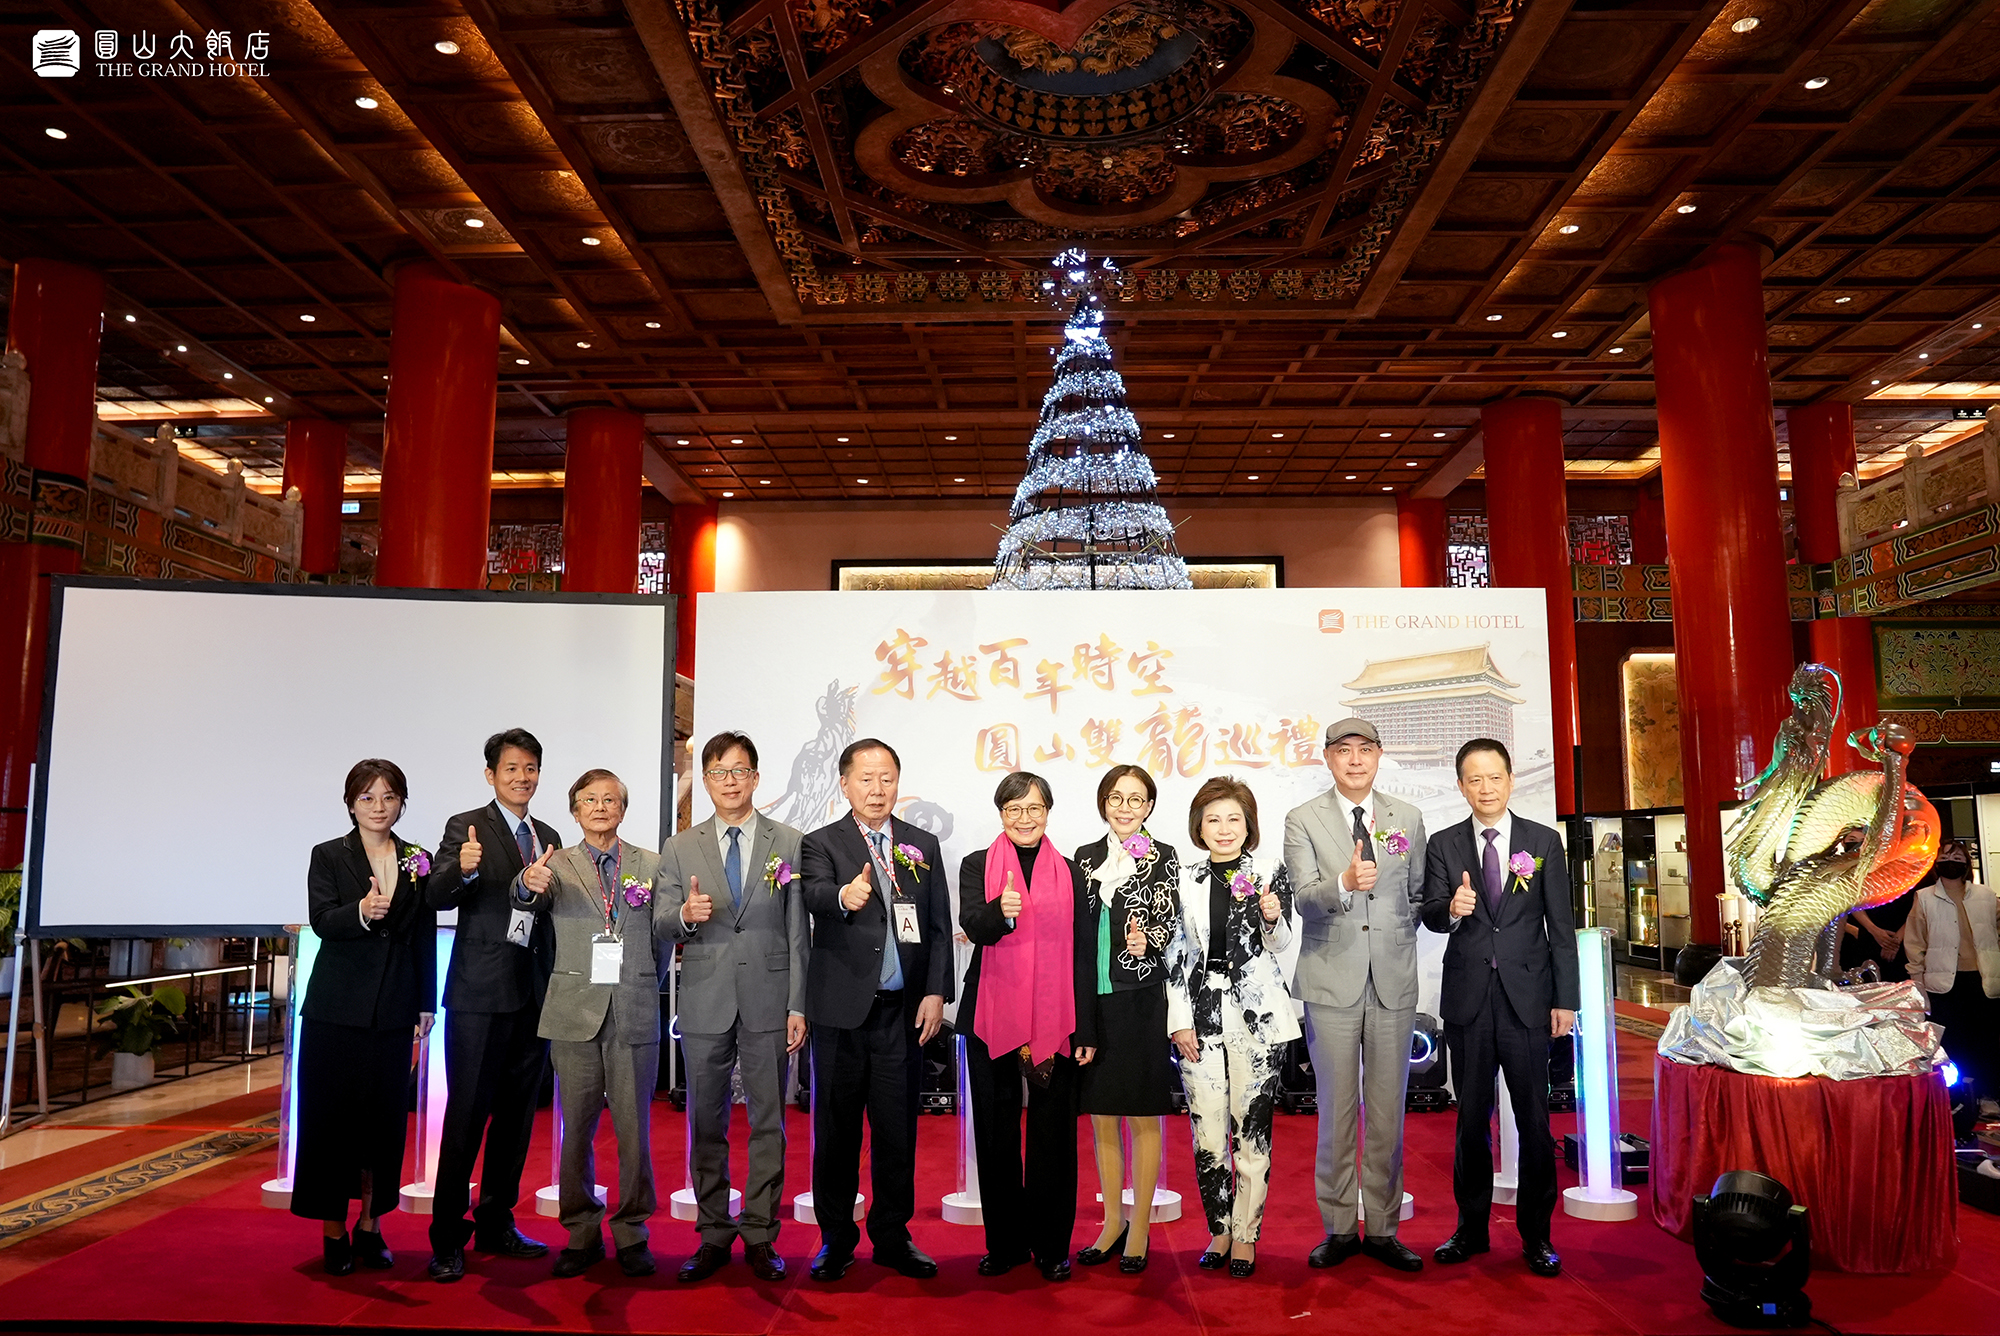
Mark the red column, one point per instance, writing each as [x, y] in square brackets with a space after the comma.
[1822, 439]
[1420, 538]
[437, 445]
[602, 481]
[316, 464]
[690, 571]
[1719, 477]
[1527, 531]
[1649, 525]
[56, 322]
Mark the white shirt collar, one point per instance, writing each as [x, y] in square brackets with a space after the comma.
[1347, 806]
[1505, 825]
[749, 829]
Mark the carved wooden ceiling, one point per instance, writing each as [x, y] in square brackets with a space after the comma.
[769, 225]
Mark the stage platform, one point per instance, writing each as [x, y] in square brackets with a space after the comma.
[159, 1226]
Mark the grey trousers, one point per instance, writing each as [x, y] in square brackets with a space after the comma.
[760, 1055]
[586, 1075]
[1361, 1058]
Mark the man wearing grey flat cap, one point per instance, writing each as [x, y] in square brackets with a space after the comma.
[1356, 859]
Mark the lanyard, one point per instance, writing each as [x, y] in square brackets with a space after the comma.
[604, 893]
[881, 861]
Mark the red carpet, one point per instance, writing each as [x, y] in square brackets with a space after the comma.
[202, 1250]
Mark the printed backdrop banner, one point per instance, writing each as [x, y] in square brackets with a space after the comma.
[969, 685]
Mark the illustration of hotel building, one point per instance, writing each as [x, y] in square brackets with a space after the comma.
[1427, 704]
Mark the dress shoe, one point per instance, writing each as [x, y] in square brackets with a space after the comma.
[636, 1259]
[708, 1259]
[908, 1260]
[1131, 1265]
[513, 1243]
[830, 1265]
[1054, 1272]
[1333, 1250]
[1390, 1252]
[446, 1267]
[370, 1251]
[993, 1264]
[1461, 1247]
[1099, 1256]
[576, 1261]
[765, 1264]
[1542, 1259]
[336, 1255]
[1212, 1261]
[1242, 1268]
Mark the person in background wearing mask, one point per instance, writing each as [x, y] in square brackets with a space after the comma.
[1953, 927]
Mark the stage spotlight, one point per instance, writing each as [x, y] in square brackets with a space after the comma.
[1755, 1248]
[1426, 1092]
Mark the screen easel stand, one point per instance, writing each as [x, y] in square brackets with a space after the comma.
[28, 959]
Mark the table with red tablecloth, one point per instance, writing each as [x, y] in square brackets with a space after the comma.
[1871, 1159]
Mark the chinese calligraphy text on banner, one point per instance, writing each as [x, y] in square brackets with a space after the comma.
[968, 685]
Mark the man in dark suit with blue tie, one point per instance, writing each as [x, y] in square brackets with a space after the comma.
[880, 972]
[1498, 884]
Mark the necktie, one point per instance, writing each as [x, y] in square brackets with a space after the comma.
[1361, 836]
[892, 956]
[1489, 868]
[526, 842]
[732, 868]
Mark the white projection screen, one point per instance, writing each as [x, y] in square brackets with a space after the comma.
[195, 735]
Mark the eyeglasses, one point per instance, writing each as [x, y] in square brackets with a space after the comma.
[1024, 812]
[1120, 800]
[590, 800]
[740, 772]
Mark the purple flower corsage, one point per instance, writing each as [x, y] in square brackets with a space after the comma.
[415, 861]
[1394, 841]
[777, 872]
[1523, 865]
[1243, 886]
[911, 857]
[637, 893]
[1139, 845]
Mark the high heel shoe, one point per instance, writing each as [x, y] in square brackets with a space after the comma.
[1131, 1265]
[1212, 1260]
[336, 1255]
[1099, 1256]
[1242, 1268]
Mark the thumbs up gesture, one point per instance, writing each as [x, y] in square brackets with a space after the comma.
[1010, 899]
[1269, 905]
[1361, 870]
[1135, 937]
[536, 876]
[1464, 898]
[375, 904]
[855, 894]
[470, 853]
[698, 907]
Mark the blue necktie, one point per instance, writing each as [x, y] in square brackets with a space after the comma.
[1489, 867]
[526, 843]
[732, 868]
[892, 956]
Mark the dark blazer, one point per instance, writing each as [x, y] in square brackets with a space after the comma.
[844, 969]
[985, 926]
[372, 978]
[489, 973]
[1533, 939]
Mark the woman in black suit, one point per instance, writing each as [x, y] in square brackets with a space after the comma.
[375, 982]
[1134, 911]
[1027, 1013]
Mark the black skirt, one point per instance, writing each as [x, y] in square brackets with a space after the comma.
[354, 1099]
[1133, 1074]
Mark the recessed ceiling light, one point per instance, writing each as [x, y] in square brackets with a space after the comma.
[861, 480]
[581, 344]
[1685, 208]
[366, 103]
[736, 440]
[229, 375]
[592, 241]
[1923, 357]
[54, 133]
[309, 319]
[1277, 436]
[1438, 434]
[1745, 24]
[1618, 350]
[1874, 382]
[652, 324]
[841, 439]
[1842, 301]
[131, 319]
[1560, 334]
[951, 438]
[1569, 229]
[1253, 477]
[475, 222]
[1388, 489]
[1492, 317]
[1409, 463]
[520, 361]
[729, 494]
[1350, 477]
[446, 48]
[763, 482]
[958, 480]
[1166, 436]
[180, 347]
[1817, 82]
[1386, 435]
[269, 400]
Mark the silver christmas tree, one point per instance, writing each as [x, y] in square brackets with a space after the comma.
[1087, 513]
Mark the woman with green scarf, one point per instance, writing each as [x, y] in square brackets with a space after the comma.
[1134, 897]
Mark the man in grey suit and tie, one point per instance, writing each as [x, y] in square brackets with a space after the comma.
[1356, 859]
[602, 1018]
[730, 891]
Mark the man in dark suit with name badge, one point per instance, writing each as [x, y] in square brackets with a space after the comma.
[494, 1055]
[880, 972]
[1499, 885]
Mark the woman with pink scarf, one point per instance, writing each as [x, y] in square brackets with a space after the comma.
[1026, 1014]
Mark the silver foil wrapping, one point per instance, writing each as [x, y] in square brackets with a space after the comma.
[1877, 1029]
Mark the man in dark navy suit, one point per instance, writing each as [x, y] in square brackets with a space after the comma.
[1498, 884]
[880, 972]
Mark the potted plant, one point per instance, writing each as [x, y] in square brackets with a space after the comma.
[10, 914]
[139, 1020]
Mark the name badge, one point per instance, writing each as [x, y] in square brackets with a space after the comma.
[906, 923]
[520, 924]
[606, 954]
